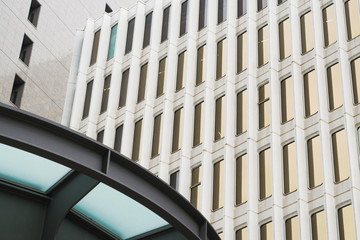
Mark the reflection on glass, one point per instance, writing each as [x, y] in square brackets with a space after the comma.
[334, 86]
[241, 112]
[242, 52]
[352, 18]
[340, 155]
[287, 104]
[314, 162]
[177, 130]
[264, 106]
[310, 91]
[156, 136]
[266, 231]
[221, 59]
[142, 83]
[263, 46]
[220, 118]
[241, 179]
[307, 39]
[195, 189]
[241, 234]
[137, 139]
[289, 165]
[218, 185]
[329, 24]
[285, 39]
[198, 120]
[346, 223]
[292, 228]
[265, 174]
[318, 226]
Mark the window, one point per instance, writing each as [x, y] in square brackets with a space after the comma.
[202, 14]
[123, 89]
[346, 223]
[264, 106]
[340, 156]
[198, 120]
[241, 234]
[263, 46]
[285, 39]
[112, 42]
[307, 39]
[355, 76]
[142, 83]
[183, 19]
[241, 112]
[195, 189]
[200, 65]
[25, 51]
[329, 24]
[181, 72]
[94, 51]
[265, 174]
[156, 136]
[100, 136]
[221, 59]
[281, 1]
[314, 162]
[174, 180]
[218, 185]
[118, 138]
[241, 179]
[266, 231]
[310, 91]
[262, 4]
[165, 24]
[108, 8]
[147, 31]
[87, 99]
[242, 7]
[221, 235]
[177, 130]
[318, 225]
[105, 96]
[17, 91]
[352, 19]
[137, 139]
[292, 228]
[220, 118]
[34, 12]
[222, 7]
[241, 52]
[161, 77]
[289, 167]
[334, 87]
[130, 35]
[287, 104]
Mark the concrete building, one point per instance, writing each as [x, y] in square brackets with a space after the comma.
[248, 108]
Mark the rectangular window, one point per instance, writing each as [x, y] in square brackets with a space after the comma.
[195, 189]
[200, 65]
[142, 83]
[161, 78]
[314, 162]
[241, 52]
[262, 4]
[177, 130]
[183, 19]
[264, 106]
[310, 91]
[123, 90]
[352, 18]
[241, 112]
[242, 8]
[221, 59]
[334, 87]
[26, 48]
[287, 104]
[318, 225]
[198, 120]
[340, 156]
[202, 14]
[94, 51]
[265, 174]
[130, 35]
[346, 223]
[355, 76]
[165, 24]
[329, 24]
[34, 12]
[100, 136]
[137, 139]
[118, 138]
[105, 96]
[87, 99]
[266, 231]
[281, 1]
[147, 31]
[241, 234]
[292, 228]
[112, 42]
[220, 118]
[17, 91]
[156, 136]
[174, 180]
[241, 179]
[307, 38]
[285, 39]
[218, 185]
[222, 7]
[263, 46]
[181, 71]
[289, 165]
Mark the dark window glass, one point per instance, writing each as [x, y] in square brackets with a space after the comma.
[123, 90]
[17, 91]
[147, 32]
[105, 96]
[130, 35]
[242, 7]
[218, 185]
[100, 136]
[161, 77]
[142, 83]
[281, 1]
[25, 51]
[219, 118]
[195, 188]
[177, 130]
[165, 24]
[222, 6]
[181, 72]
[183, 19]
[137, 138]
[87, 99]
[202, 14]
[118, 138]
[34, 12]
[200, 65]
[156, 136]
[174, 180]
[262, 4]
[95, 48]
[198, 119]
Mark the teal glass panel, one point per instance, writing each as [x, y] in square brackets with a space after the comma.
[118, 213]
[112, 42]
[27, 169]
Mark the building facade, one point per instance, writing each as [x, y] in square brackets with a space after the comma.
[248, 108]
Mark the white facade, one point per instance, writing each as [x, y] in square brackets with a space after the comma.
[279, 207]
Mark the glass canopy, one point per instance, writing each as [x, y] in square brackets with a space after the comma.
[118, 213]
[29, 170]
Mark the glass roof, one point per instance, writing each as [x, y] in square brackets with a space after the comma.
[118, 213]
[28, 169]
